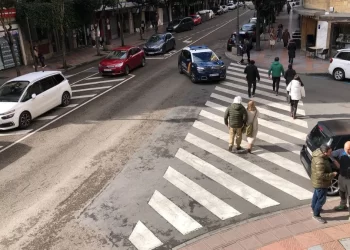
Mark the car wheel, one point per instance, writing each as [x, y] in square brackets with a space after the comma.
[333, 190]
[338, 74]
[65, 99]
[126, 70]
[191, 28]
[193, 78]
[143, 62]
[180, 69]
[25, 119]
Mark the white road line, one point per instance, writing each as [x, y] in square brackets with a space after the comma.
[243, 66]
[82, 96]
[89, 83]
[143, 238]
[19, 132]
[68, 76]
[262, 122]
[155, 58]
[218, 207]
[264, 111]
[261, 74]
[1, 146]
[48, 117]
[70, 106]
[252, 169]
[97, 88]
[265, 154]
[173, 214]
[241, 189]
[258, 99]
[79, 72]
[83, 79]
[96, 77]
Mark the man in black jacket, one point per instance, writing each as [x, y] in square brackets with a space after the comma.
[252, 73]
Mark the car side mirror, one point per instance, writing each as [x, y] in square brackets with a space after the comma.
[33, 96]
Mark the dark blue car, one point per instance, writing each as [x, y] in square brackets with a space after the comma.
[201, 64]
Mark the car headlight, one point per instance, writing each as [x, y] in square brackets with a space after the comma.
[200, 68]
[8, 112]
[118, 65]
[223, 67]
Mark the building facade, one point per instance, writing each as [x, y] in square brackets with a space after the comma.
[325, 24]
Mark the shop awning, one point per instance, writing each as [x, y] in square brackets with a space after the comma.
[308, 12]
[336, 16]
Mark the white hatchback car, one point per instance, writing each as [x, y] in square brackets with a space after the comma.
[29, 96]
[339, 66]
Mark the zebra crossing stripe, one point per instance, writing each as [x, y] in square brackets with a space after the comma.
[246, 192]
[173, 214]
[257, 99]
[261, 74]
[266, 155]
[202, 196]
[243, 66]
[250, 168]
[262, 122]
[261, 110]
[143, 239]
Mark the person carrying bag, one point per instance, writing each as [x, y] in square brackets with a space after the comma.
[296, 92]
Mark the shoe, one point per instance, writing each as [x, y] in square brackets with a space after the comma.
[230, 148]
[276, 94]
[249, 151]
[239, 148]
[341, 208]
[45, 66]
[250, 97]
[319, 219]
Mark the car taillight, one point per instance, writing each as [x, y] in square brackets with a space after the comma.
[331, 60]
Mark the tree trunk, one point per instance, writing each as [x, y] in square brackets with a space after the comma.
[97, 39]
[121, 18]
[104, 28]
[31, 46]
[257, 44]
[63, 37]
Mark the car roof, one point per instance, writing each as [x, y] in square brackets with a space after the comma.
[33, 76]
[195, 48]
[125, 47]
[336, 127]
[343, 50]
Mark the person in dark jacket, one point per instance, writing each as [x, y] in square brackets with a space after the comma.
[235, 118]
[252, 73]
[289, 74]
[321, 177]
[292, 47]
[285, 38]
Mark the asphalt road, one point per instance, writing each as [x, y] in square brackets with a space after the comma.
[107, 172]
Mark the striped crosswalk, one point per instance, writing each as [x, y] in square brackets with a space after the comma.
[261, 180]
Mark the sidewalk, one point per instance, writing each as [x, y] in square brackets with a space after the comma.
[81, 56]
[264, 58]
[286, 230]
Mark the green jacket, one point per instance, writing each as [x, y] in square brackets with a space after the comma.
[237, 115]
[276, 69]
[321, 170]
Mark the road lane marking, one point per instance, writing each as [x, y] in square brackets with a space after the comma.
[252, 169]
[276, 159]
[241, 189]
[173, 214]
[65, 114]
[143, 238]
[93, 78]
[71, 105]
[44, 118]
[98, 82]
[79, 72]
[218, 207]
[19, 132]
[88, 89]
[83, 79]
[82, 96]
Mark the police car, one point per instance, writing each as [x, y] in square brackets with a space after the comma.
[201, 64]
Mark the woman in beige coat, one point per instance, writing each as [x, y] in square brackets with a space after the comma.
[252, 123]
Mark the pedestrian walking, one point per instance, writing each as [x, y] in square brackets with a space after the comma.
[252, 124]
[235, 119]
[279, 34]
[36, 56]
[252, 74]
[143, 26]
[246, 48]
[341, 159]
[39, 58]
[289, 74]
[296, 91]
[272, 39]
[285, 38]
[288, 8]
[277, 70]
[292, 47]
[321, 177]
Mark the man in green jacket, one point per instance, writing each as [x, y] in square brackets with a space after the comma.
[277, 70]
[321, 177]
[235, 117]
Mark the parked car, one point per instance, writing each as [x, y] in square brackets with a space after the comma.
[224, 8]
[159, 44]
[181, 24]
[253, 20]
[201, 64]
[231, 6]
[333, 132]
[196, 19]
[339, 66]
[233, 40]
[122, 60]
[203, 12]
[28, 96]
[250, 29]
[218, 10]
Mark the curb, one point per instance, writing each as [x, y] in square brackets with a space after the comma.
[226, 228]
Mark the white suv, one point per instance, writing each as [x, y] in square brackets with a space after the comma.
[26, 97]
[339, 66]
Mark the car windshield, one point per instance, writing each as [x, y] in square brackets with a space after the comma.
[205, 57]
[247, 27]
[12, 91]
[317, 137]
[156, 38]
[118, 54]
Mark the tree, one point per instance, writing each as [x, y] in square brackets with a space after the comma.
[5, 21]
[120, 5]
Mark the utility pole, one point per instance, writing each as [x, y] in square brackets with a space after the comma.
[31, 45]
[237, 35]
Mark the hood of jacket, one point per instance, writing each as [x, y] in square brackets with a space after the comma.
[317, 153]
[237, 106]
[276, 63]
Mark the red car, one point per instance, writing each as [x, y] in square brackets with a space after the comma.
[197, 19]
[122, 60]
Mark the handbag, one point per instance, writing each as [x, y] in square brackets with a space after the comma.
[288, 97]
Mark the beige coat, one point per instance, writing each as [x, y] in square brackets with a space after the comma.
[253, 119]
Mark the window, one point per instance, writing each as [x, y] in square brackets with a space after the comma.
[58, 78]
[344, 56]
[317, 137]
[137, 50]
[12, 91]
[205, 57]
[168, 36]
[186, 54]
[342, 141]
[118, 54]
[47, 83]
[33, 89]
[156, 38]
